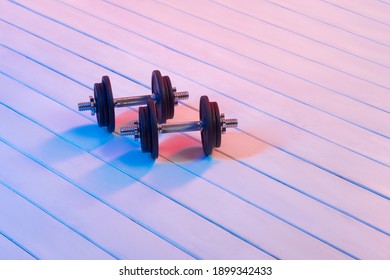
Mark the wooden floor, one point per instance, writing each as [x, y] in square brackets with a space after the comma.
[306, 175]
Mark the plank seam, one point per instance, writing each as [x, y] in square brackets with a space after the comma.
[18, 244]
[45, 211]
[327, 23]
[355, 13]
[312, 39]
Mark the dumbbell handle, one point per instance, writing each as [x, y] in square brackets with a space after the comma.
[194, 126]
[178, 127]
[142, 99]
[130, 101]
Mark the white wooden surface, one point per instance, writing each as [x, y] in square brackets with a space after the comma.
[305, 175]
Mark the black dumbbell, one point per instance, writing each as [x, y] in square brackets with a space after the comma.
[211, 125]
[103, 104]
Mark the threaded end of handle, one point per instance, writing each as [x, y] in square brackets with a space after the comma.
[231, 123]
[132, 130]
[127, 131]
[85, 106]
[182, 95]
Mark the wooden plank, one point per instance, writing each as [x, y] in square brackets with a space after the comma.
[265, 44]
[40, 233]
[338, 18]
[377, 11]
[108, 228]
[11, 251]
[321, 45]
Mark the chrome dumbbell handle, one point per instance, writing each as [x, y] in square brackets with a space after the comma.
[129, 101]
[133, 130]
[179, 127]
[194, 126]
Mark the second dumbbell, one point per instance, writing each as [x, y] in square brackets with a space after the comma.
[103, 103]
[212, 125]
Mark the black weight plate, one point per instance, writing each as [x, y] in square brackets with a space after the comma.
[207, 125]
[103, 98]
[213, 124]
[158, 89]
[147, 129]
[171, 98]
[110, 104]
[168, 98]
[217, 128]
[98, 105]
[143, 128]
[153, 128]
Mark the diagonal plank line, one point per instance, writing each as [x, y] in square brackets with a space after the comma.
[16, 242]
[45, 210]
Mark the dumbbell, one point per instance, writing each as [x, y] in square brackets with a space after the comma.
[103, 104]
[212, 125]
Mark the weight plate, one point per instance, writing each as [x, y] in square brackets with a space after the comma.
[153, 128]
[143, 128]
[171, 98]
[217, 128]
[109, 104]
[207, 125]
[158, 89]
[103, 98]
[213, 124]
[98, 105]
[147, 129]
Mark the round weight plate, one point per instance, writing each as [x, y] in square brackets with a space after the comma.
[217, 128]
[98, 105]
[103, 98]
[213, 123]
[144, 129]
[171, 98]
[147, 129]
[109, 105]
[158, 89]
[207, 125]
[153, 128]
